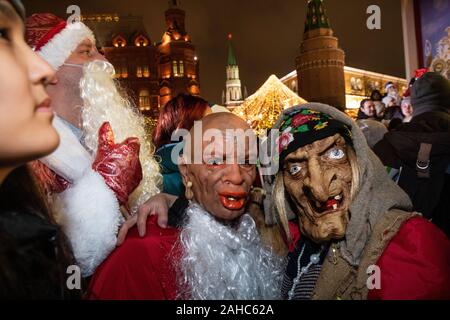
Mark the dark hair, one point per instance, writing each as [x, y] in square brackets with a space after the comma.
[361, 105]
[178, 113]
[35, 252]
[18, 6]
[374, 93]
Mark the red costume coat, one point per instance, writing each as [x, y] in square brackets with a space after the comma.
[141, 268]
[415, 265]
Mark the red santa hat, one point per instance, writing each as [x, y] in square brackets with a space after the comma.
[53, 38]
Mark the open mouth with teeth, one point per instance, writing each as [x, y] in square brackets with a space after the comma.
[233, 200]
[333, 204]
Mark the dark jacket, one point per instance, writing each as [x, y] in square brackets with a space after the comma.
[400, 149]
[30, 265]
[34, 252]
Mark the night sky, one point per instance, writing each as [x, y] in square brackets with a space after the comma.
[266, 33]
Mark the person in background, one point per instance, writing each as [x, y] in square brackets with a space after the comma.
[179, 113]
[392, 97]
[34, 254]
[417, 154]
[366, 110]
[373, 130]
[407, 109]
[376, 97]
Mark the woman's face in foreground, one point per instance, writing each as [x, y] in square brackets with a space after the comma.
[26, 132]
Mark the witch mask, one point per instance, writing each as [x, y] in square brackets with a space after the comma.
[317, 173]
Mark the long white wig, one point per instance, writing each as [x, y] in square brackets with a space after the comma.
[220, 262]
[103, 102]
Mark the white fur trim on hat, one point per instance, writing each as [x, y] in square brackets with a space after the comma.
[61, 46]
[390, 85]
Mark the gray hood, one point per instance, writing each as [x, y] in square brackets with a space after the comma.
[377, 193]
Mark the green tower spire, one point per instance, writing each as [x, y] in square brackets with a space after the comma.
[231, 56]
[316, 16]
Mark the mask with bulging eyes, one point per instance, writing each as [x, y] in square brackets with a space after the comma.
[318, 180]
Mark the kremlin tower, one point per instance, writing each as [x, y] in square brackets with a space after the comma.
[320, 65]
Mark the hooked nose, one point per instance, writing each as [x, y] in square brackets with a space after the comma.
[317, 182]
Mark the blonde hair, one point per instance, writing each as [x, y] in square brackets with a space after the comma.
[279, 192]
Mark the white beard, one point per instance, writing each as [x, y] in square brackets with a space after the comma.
[221, 263]
[103, 102]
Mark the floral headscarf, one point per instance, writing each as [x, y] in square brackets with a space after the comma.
[303, 127]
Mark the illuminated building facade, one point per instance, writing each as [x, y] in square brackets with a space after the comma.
[150, 73]
[321, 74]
[359, 84]
[178, 66]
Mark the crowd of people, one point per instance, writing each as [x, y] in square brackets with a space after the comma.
[356, 210]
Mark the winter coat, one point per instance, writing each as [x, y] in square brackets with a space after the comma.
[429, 188]
[31, 266]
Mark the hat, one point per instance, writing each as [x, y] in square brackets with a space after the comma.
[303, 127]
[53, 38]
[431, 92]
[420, 72]
[373, 130]
[389, 85]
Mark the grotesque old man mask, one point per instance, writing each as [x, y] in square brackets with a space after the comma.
[219, 178]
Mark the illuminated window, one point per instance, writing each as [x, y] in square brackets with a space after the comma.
[139, 72]
[146, 72]
[119, 42]
[141, 41]
[144, 100]
[155, 101]
[175, 68]
[181, 64]
[124, 72]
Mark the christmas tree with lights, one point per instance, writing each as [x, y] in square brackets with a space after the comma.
[263, 108]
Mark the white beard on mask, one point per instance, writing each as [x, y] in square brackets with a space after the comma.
[222, 263]
[103, 102]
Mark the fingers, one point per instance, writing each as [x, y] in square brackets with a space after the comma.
[143, 213]
[125, 211]
[162, 219]
[124, 229]
[155, 205]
